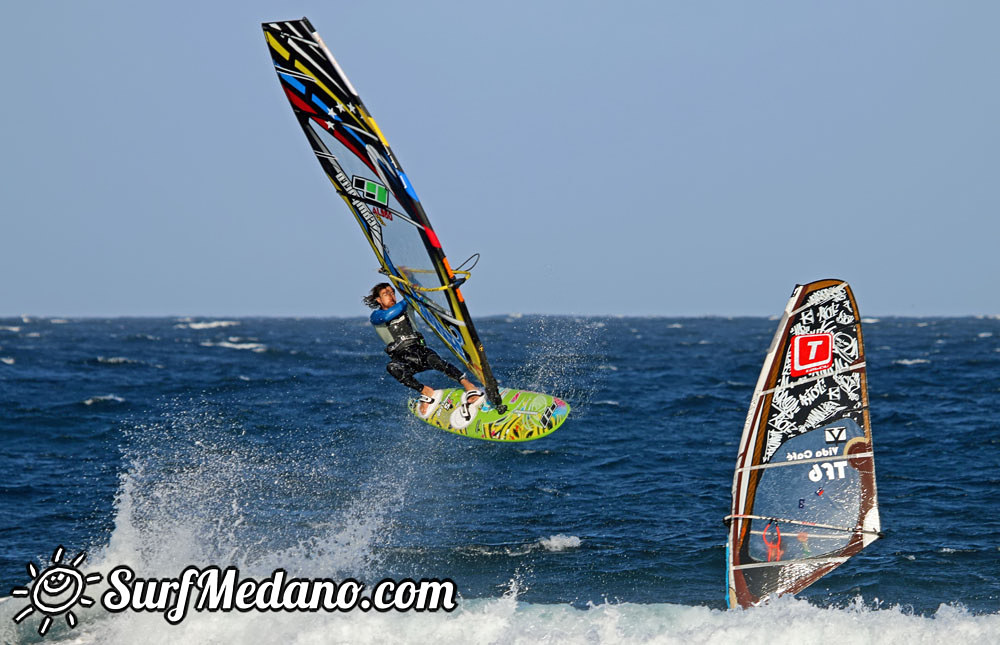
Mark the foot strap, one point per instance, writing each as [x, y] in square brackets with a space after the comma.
[464, 413]
[432, 402]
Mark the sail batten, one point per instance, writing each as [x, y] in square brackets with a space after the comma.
[819, 561]
[817, 460]
[803, 496]
[354, 154]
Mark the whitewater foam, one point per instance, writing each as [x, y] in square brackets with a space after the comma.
[560, 542]
[213, 324]
[506, 620]
[117, 360]
[104, 398]
[254, 347]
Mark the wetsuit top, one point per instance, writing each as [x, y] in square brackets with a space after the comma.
[394, 327]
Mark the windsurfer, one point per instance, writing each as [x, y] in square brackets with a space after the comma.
[408, 352]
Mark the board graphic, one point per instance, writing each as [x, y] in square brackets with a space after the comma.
[529, 415]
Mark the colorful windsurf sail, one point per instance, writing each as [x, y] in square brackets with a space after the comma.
[804, 497]
[357, 159]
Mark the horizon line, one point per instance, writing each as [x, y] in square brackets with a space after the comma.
[181, 317]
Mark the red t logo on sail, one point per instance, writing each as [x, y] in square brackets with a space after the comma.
[811, 353]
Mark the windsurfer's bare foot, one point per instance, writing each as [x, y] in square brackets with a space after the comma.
[429, 393]
[470, 387]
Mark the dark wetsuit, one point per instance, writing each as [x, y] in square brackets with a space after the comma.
[405, 346]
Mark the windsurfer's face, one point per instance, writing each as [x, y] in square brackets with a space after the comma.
[387, 297]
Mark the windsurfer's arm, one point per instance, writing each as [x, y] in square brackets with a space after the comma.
[381, 316]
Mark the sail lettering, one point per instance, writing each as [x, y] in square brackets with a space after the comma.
[373, 224]
[809, 454]
[833, 470]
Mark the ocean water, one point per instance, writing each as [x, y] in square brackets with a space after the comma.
[263, 443]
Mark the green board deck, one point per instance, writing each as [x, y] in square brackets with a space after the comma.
[529, 415]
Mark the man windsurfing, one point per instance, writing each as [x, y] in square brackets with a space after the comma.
[409, 354]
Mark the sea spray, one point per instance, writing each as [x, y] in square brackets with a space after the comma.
[560, 355]
[199, 490]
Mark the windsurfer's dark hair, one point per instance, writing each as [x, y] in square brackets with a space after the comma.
[372, 298]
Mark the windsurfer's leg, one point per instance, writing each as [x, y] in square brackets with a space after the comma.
[403, 372]
[435, 362]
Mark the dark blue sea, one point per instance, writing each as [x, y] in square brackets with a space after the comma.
[266, 443]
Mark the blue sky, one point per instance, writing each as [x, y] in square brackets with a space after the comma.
[646, 158]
